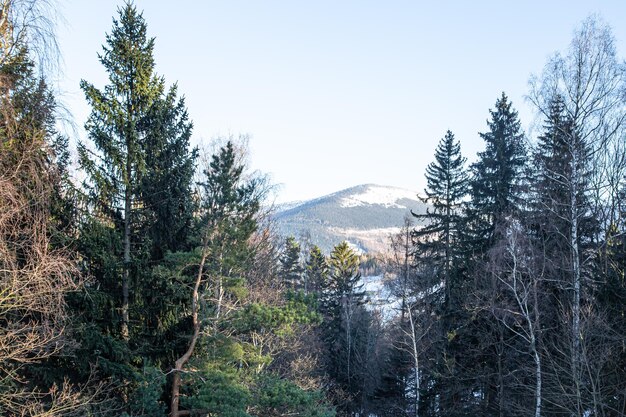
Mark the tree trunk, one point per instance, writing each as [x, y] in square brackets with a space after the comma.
[416, 364]
[537, 382]
[126, 274]
[575, 356]
[180, 363]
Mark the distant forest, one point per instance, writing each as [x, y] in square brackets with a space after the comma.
[156, 285]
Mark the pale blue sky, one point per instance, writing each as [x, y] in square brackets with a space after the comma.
[338, 93]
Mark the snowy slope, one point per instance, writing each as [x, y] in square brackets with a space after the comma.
[375, 194]
[365, 216]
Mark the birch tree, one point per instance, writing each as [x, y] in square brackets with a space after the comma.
[588, 80]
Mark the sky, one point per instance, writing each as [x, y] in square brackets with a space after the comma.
[333, 93]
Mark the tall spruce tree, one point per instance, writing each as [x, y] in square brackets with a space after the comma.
[497, 181]
[117, 128]
[447, 186]
[437, 260]
[560, 153]
[139, 169]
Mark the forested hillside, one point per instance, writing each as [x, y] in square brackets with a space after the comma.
[364, 216]
[147, 280]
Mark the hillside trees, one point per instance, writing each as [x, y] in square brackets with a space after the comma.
[241, 325]
[37, 268]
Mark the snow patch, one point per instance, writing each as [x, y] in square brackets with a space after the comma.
[384, 196]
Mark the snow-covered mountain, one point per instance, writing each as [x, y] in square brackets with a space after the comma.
[365, 216]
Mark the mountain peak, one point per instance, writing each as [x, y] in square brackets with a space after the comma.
[364, 215]
[378, 194]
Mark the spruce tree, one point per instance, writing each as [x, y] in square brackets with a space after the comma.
[229, 206]
[139, 171]
[497, 181]
[117, 129]
[447, 185]
[228, 209]
[166, 186]
[563, 221]
[496, 191]
[437, 256]
[558, 154]
[290, 268]
[139, 167]
[315, 271]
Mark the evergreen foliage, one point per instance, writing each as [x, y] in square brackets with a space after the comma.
[316, 271]
[291, 269]
[447, 186]
[143, 293]
[497, 177]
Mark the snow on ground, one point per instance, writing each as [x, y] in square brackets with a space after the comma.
[371, 240]
[382, 300]
[375, 194]
[380, 297]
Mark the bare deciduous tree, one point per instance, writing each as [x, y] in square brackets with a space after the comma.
[590, 82]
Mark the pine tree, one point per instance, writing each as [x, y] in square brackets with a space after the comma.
[290, 268]
[496, 185]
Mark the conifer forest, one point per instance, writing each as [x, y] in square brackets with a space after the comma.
[142, 277]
